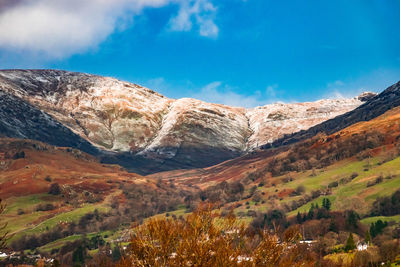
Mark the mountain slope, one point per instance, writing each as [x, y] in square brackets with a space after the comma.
[365, 139]
[147, 132]
[22, 120]
[373, 108]
[352, 168]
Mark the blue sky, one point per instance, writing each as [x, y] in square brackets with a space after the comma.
[242, 53]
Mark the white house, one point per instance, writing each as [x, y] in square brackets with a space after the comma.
[362, 246]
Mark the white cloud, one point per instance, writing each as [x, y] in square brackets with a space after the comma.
[202, 12]
[214, 92]
[217, 92]
[60, 28]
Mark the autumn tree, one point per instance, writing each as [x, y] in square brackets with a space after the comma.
[205, 238]
[4, 236]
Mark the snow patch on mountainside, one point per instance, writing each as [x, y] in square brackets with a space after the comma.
[273, 121]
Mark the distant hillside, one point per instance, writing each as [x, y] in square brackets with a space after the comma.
[373, 108]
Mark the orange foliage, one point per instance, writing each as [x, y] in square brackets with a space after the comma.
[205, 238]
[3, 236]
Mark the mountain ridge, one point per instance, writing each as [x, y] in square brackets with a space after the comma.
[374, 107]
[143, 129]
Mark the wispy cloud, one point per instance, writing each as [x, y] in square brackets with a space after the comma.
[217, 92]
[200, 12]
[272, 90]
[58, 29]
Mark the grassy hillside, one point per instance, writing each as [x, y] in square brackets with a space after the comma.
[28, 171]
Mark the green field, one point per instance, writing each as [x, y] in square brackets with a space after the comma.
[36, 222]
[351, 195]
[369, 220]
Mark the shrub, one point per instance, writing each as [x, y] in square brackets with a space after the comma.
[333, 184]
[45, 207]
[376, 181]
[353, 175]
[300, 189]
[315, 193]
[55, 189]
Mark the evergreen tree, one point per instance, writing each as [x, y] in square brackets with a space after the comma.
[298, 218]
[333, 227]
[326, 203]
[310, 215]
[350, 244]
[377, 228]
[116, 254]
[367, 237]
[352, 221]
[78, 256]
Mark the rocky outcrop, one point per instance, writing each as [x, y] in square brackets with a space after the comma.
[148, 132]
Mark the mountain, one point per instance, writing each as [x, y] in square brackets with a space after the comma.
[22, 120]
[141, 129]
[374, 107]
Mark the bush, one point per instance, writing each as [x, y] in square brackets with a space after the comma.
[300, 189]
[45, 207]
[353, 175]
[333, 184]
[376, 181]
[55, 189]
[315, 193]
